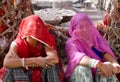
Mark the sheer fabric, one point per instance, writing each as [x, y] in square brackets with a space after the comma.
[84, 35]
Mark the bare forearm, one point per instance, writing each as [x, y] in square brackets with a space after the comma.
[90, 62]
[52, 59]
[52, 56]
[108, 57]
[85, 61]
[14, 63]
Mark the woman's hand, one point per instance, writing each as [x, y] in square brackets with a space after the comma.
[112, 66]
[42, 61]
[106, 69]
[116, 68]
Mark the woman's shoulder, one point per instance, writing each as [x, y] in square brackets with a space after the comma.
[70, 40]
[19, 41]
[13, 43]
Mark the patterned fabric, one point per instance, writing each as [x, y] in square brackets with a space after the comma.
[17, 74]
[50, 75]
[83, 74]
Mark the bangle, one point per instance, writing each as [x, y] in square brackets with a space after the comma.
[93, 63]
[100, 64]
[26, 66]
[23, 62]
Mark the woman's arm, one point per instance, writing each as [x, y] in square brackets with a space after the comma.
[12, 60]
[74, 55]
[113, 61]
[109, 58]
[45, 62]
[110, 65]
[85, 61]
[49, 60]
[105, 68]
[52, 56]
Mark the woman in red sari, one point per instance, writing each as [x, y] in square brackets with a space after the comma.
[32, 56]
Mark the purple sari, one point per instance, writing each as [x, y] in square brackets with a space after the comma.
[84, 35]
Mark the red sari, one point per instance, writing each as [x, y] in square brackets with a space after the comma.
[33, 26]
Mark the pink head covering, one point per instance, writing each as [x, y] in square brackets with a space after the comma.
[84, 35]
[88, 33]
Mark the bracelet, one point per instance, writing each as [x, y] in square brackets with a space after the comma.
[93, 63]
[26, 66]
[100, 65]
[23, 62]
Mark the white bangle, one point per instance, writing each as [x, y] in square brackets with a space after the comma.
[95, 64]
[23, 62]
[26, 67]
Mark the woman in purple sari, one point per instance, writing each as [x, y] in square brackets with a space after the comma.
[90, 59]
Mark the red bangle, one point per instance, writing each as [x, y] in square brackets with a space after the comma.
[100, 64]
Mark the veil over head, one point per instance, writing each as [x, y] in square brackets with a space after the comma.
[84, 35]
[89, 32]
[34, 27]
